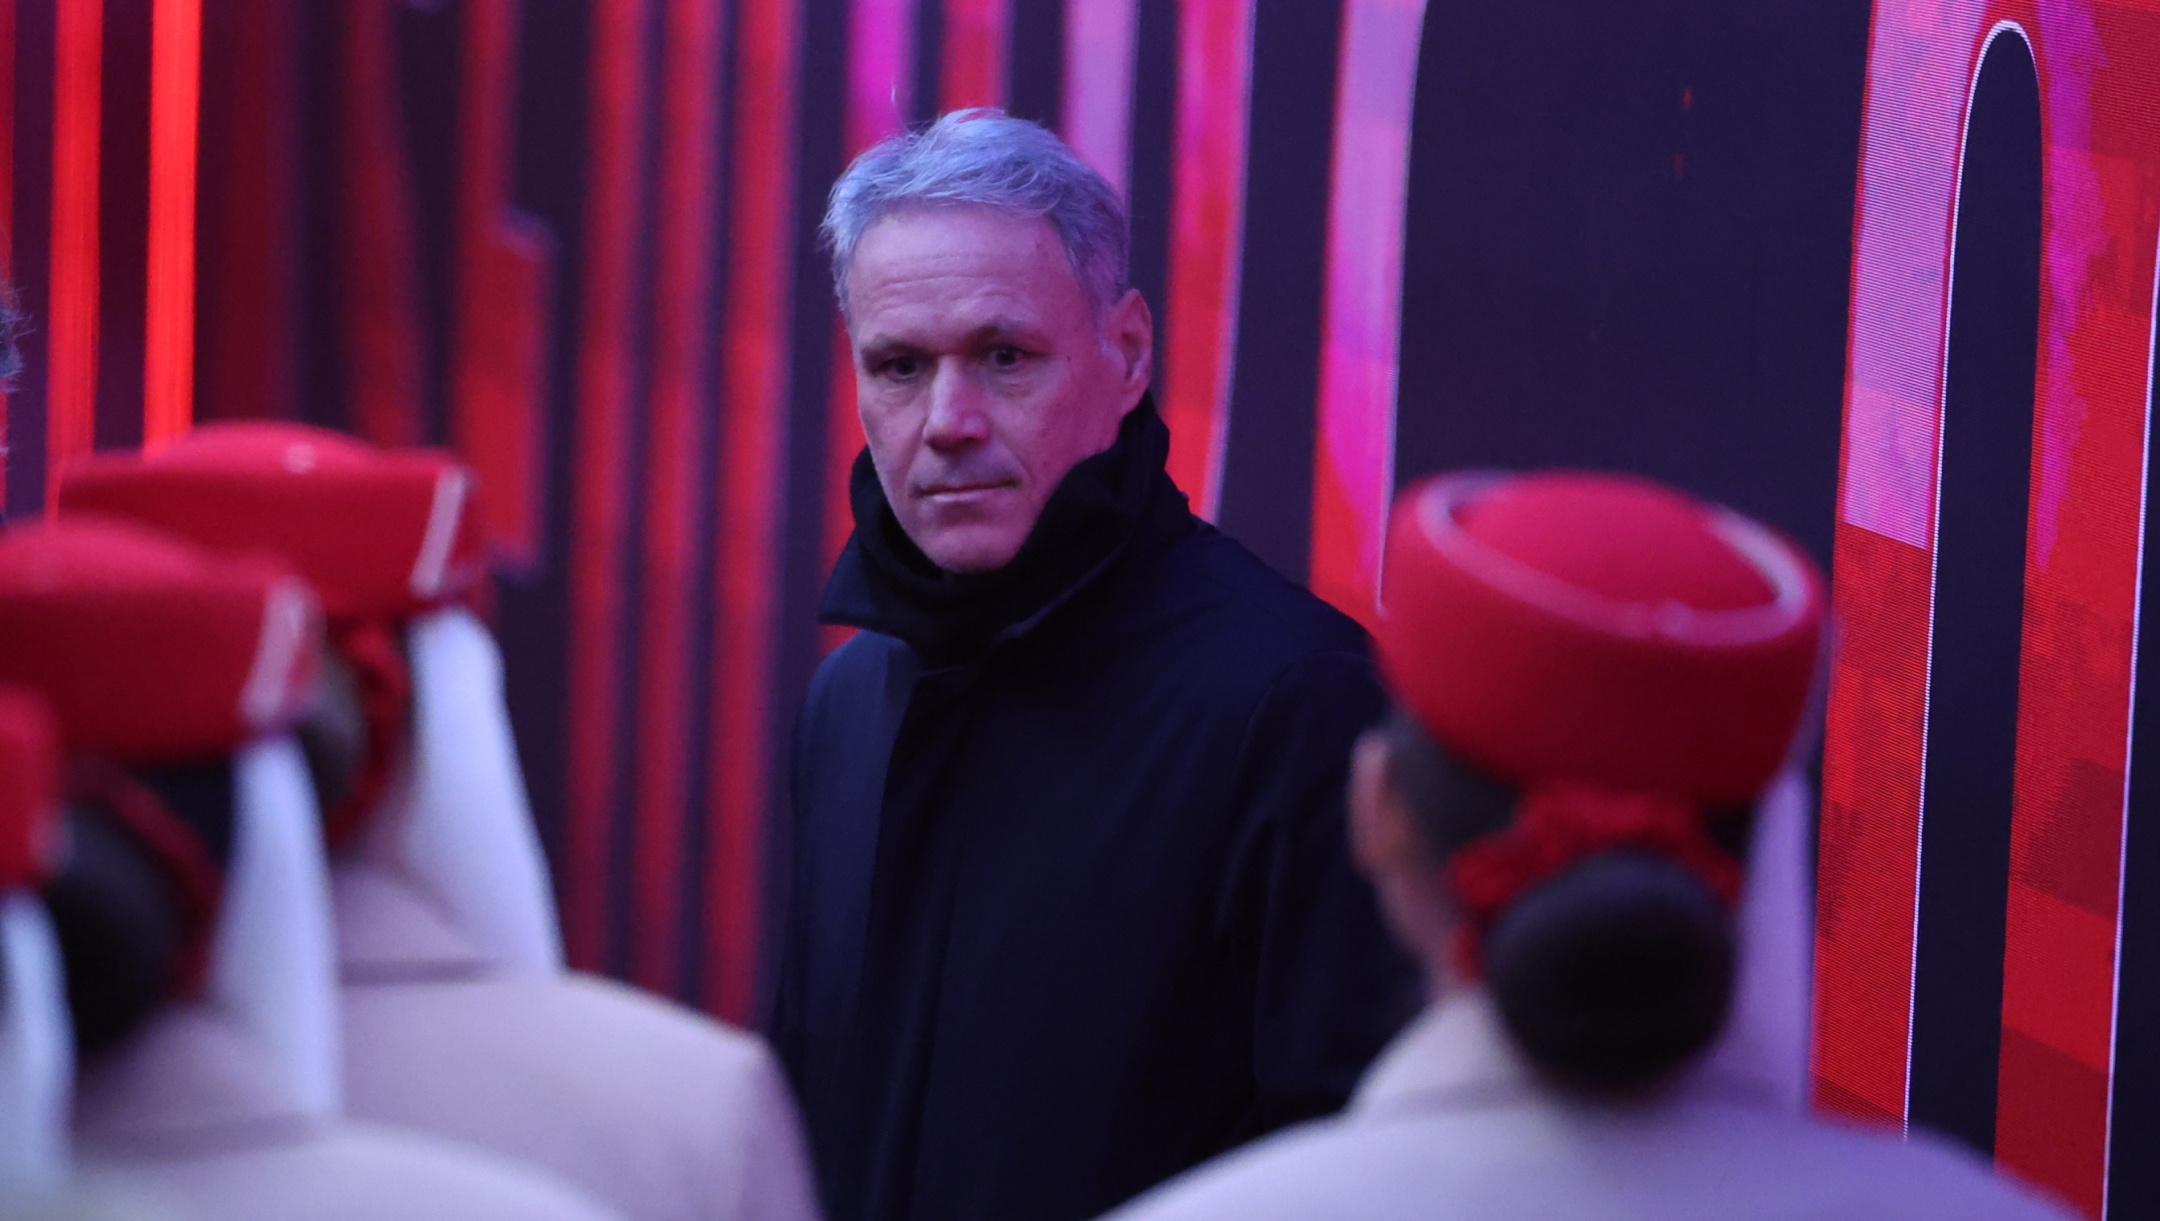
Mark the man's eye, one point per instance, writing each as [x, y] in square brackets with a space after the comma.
[1006, 357]
[900, 368]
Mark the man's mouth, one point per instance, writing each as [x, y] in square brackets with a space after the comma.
[961, 493]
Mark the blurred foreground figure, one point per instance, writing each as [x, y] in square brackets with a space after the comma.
[1072, 908]
[1597, 680]
[37, 1052]
[191, 905]
[37, 1045]
[459, 1017]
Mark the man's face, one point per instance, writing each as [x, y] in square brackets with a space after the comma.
[983, 375]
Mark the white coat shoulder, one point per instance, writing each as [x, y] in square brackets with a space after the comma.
[663, 1113]
[345, 1173]
[1683, 1163]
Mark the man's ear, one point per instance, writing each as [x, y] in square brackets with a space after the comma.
[1130, 331]
[1383, 839]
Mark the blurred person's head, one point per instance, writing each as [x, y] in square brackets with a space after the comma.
[981, 267]
[1596, 680]
[406, 733]
[162, 666]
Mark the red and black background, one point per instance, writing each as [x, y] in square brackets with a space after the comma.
[574, 239]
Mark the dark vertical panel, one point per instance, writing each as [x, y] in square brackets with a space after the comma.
[123, 223]
[1982, 505]
[7, 226]
[427, 45]
[1035, 61]
[2133, 1175]
[30, 256]
[1267, 474]
[532, 618]
[1153, 152]
[929, 61]
[1628, 244]
[822, 115]
[325, 396]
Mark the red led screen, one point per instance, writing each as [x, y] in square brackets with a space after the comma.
[575, 239]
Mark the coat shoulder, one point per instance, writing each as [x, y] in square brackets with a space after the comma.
[1232, 596]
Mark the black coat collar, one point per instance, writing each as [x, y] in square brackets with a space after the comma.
[1105, 505]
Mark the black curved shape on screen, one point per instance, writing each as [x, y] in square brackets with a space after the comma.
[1979, 604]
[2133, 1182]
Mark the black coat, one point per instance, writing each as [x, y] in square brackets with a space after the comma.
[1071, 906]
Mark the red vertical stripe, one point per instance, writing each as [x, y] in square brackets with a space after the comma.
[1207, 225]
[502, 297]
[1354, 433]
[1097, 107]
[881, 76]
[688, 187]
[599, 530]
[175, 110]
[1868, 870]
[378, 254]
[72, 330]
[977, 42]
[247, 252]
[753, 415]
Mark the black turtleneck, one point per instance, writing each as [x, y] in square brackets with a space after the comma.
[1071, 909]
[884, 583]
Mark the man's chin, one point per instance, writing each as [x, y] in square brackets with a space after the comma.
[971, 551]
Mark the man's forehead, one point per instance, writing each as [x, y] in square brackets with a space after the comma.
[954, 262]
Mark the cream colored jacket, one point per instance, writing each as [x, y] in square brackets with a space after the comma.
[1450, 1125]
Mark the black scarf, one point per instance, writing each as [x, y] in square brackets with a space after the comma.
[883, 581]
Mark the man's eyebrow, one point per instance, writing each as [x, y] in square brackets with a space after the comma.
[887, 343]
[1003, 328]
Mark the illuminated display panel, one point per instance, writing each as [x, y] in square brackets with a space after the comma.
[1354, 432]
[2095, 62]
[1199, 326]
[505, 269]
[1980, 531]
[677, 465]
[600, 522]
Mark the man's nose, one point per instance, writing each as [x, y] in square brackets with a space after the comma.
[956, 417]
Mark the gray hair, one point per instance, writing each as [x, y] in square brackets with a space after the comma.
[985, 158]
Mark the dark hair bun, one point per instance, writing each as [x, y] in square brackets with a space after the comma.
[118, 921]
[1615, 974]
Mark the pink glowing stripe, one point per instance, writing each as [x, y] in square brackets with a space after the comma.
[1910, 146]
[1354, 454]
[881, 70]
[1097, 106]
[1206, 228]
[175, 112]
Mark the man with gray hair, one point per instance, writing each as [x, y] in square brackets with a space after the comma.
[1071, 909]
